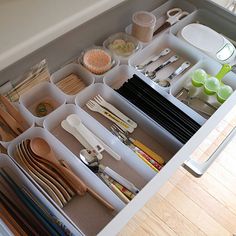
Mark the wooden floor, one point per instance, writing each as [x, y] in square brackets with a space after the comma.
[186, 205]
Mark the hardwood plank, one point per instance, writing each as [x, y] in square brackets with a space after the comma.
[217, 190]
[145, 223]
[174, 219]
[205, 201]
[192, 211]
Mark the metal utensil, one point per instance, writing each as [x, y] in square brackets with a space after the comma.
[152, 74]
[89, 158]
[181, 69]
[185, 97]
[163, 53]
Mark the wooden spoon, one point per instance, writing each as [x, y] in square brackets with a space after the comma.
[32, 173]
[49, 173]
[42, 149]
[58, 188]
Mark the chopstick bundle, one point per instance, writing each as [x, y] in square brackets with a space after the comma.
[165, 113]
[23, 213]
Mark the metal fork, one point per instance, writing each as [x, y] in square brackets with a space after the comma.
[100, 100]
[92, 105]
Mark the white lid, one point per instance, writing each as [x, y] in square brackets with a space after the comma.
[144, 18]
[203, 37]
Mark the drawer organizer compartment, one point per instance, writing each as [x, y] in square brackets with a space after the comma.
[84, 210]
[10, 128]
[161, 14]
[129, 166]
[87, 215]
[159, 52]
[195, 97]
[209, 19]
[41, 100]
[23, 186]
[71, 79]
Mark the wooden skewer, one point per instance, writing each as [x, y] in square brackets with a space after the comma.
[11, 222]
[11, 122]
[14, 112]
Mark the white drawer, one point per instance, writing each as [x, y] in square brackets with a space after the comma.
[69, 45]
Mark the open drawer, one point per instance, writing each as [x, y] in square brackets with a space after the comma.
[67, 47]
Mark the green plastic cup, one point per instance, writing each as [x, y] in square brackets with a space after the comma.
[199, 77]
[223, 93]
[211, 85]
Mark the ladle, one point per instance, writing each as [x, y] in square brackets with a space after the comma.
[42, 149]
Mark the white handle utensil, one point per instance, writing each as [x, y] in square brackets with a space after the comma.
[101, 101]
[92, 105]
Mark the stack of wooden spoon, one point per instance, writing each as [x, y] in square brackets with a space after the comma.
[55, 177]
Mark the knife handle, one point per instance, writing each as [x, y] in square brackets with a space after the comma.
[148, 151]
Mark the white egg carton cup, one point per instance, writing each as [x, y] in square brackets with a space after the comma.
[37, 94]
[76, 69]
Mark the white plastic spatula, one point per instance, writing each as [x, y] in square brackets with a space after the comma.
[209, 41]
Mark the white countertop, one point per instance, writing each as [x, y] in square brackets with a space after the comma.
[26, 25]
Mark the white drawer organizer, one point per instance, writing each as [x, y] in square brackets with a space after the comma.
[86, 215]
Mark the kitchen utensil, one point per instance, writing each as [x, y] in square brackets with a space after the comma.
[185, 97]
[159, 108]
[223, 93]
[140, 145]
[11, 122]
[49, 171]
[174, 15]
[5, 136]
[209, 41]
[181, 69]
[14, 112]
[90, 159]
[115, 189]
[199, 77]
[95, 195]
[152, 74]
[163, 53]
[75, 122]
[42, 149]
[66, 126]
[92, 105]
[101, 101]
[41, 180]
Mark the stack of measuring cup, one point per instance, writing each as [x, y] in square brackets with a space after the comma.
[212, 85]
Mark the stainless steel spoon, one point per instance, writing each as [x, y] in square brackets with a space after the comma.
[163, 53]
[152, 74]
[166, 82]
